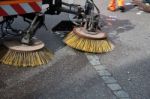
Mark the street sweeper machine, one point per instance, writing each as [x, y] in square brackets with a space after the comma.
[23, 49]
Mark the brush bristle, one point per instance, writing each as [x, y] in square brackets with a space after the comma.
[88, 45]
[27, 59]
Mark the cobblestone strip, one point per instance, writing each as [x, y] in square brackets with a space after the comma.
[109, 80]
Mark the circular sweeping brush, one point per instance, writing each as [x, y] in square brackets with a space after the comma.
[22, 55]
[86, 41]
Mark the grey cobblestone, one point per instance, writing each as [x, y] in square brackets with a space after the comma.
[99, 67]
[108, 79]
[121, 94]
[124, 98]
[95, 57]
[114, 86]
[94, 60]
[104, 73]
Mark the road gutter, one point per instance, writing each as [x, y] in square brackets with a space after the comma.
[107, 77]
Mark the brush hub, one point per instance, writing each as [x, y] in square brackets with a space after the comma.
[82, 32]
[17, 46]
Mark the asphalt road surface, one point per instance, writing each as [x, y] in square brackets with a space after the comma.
[70, 74]
[129, 62]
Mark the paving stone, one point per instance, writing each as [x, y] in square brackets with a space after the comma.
[114, 86]
[99, 67]
[94, 60]
[96, 57]
[104, 73]
[89, 56]
[109, 80]
[121, 94]
[124, 98]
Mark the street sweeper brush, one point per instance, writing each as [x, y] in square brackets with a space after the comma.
[22, 55]
[24, 50]
[80, 40]
[88, 36]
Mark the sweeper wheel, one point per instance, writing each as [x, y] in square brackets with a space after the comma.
[17, 46]
[82, 32]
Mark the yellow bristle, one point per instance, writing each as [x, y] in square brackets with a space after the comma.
[88, 45]
[27, 59]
